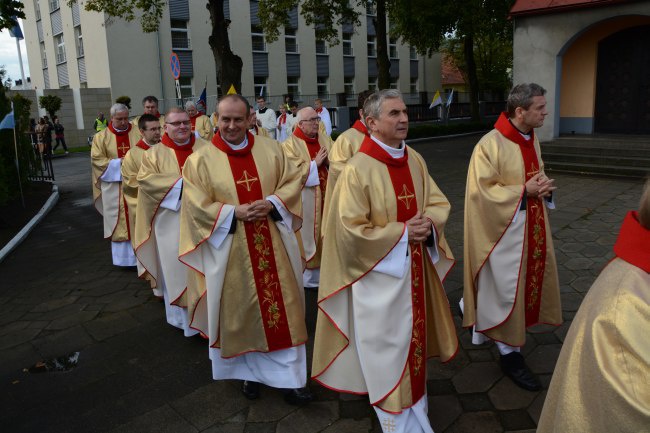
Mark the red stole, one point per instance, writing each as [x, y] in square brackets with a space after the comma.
[633, 243]
[142, 145]
[359, 126]
[182, 152]
[260, 246]
[193, 120]
[535, 222]
[282, 119]
[122, 139]
[313, 146]
[407, 207]
[319, 110]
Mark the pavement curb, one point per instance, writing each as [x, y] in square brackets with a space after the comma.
[22, 234]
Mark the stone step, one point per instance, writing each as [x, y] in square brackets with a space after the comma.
[631, 150]
[595, 169]
[614, 141]
[620, 159]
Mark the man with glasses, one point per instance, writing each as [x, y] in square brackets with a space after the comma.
[241, 208]
[157, 223]
[108, 149]
[308, 150]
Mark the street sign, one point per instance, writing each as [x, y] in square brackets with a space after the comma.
[175, 65]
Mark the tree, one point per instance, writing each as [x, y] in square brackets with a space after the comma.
[9, 11]
[50, 103]
[125, 100]
[468, 21]
[150, 12]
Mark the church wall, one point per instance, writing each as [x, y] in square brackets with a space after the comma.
[539, 43]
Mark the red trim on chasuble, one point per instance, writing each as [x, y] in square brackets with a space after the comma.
[535, 222]
[142, 145]
[193, 120]
[313, 146]
[359, 126]
[122, 140]
[633, 243]
[182, 152]
[260, 246]
[407, 207]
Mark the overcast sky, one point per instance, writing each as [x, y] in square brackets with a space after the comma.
[9, 55]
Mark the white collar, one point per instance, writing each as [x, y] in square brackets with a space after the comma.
[395, 153]
[239, 146]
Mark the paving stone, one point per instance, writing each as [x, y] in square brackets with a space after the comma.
[439, 370]
[475, 402]
[54, 304]
[235, 427]
[125, 302]
[477, 377]
[571, 301]
[516, 420]
[440, 387]
[507, 396]
[522, 431]
[11, 316]
[18, 337]
[546, 338]
[268, 408]
[313, 417]
[565, 276]
[263, 427]
[59, 343]
[572, 247]
[14, 327]
[535, 409]
[606, 241]
[593, 249]
[110, 325]
[480, 355]
[62, 312]
[161, 420]
[357, 409]
[562, 330]
[210, 404]
[71, 320]
[443, 410]
[579, 263]
[543, 358]
[349, 426]
[582, 284]
[476, 422]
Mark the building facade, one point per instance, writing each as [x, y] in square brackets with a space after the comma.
[69, 47]
[593, 59]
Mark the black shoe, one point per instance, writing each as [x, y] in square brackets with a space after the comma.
[515, 368]
[250, 389]
[298, 396]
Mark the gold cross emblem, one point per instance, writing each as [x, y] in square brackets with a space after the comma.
[388, 425]
[406, 197]
[247, 180]
[123, 148]
[533, 171]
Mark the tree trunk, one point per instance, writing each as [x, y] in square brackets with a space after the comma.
[468, 49]
[383, 62]
[228, 64]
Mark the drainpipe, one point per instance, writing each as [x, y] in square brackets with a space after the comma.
[162, 87]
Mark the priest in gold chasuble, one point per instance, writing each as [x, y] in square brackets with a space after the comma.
[308, 150]
[201, 125]
[240, 210]
[149, 106]
[601, 382]
[106, 153]
[382, 307]
[510, 274]
[157, 227]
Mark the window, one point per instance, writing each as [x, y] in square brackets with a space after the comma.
[347, 44]
[37, 9]
[261, 88]
[180, 35]
[80, 41]
[257, 37]
[60, 48]
[371, 10]
[392, 48]
[413, 87]
[43, 55]
[293, 87]
[372, 83]
[372, 46]
[54, 5]
[413, 53]
[290, 41]
[186, 87]
[394, 82]
[321, 47]
[348, 86]
[322, 87]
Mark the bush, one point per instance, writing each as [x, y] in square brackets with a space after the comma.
[51, 104]
[124, 100]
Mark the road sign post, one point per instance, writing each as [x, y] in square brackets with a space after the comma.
[175, 65]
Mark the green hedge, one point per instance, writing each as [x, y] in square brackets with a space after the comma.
[425, 130]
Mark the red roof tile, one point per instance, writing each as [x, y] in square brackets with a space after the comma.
[450, 73]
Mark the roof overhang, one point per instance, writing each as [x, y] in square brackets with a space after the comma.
[542, 7]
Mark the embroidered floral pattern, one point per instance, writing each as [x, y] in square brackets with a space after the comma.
[418, 335]
[270, 287]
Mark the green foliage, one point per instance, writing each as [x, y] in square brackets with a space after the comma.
[50, 103]
[124, 100]
[148, 12]
[425, 130]
[8, 10]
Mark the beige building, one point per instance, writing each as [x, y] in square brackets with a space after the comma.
[69, 47]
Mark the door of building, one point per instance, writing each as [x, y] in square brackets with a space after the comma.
[622, 84]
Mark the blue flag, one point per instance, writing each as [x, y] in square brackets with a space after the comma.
[202, 102]
[15, 31]
[8, 122]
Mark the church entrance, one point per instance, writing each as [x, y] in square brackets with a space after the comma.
[622, 84]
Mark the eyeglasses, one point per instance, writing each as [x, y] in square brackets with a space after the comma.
[313, 120]
[177, 124]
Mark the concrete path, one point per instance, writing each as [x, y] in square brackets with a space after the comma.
[59, 294]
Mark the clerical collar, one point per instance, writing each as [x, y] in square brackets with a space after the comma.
[394, 153]
[145, 142]
[119, 130]
[239, 146]
[184, 143]
[523, 134]
[262, 110]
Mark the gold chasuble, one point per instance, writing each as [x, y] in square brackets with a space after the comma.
[375, 195]
[130, 167]
[253, 302]
[162, 167]
[601, 382]
[527, 291]
[302, 150]
[201, 124]
[108, 145]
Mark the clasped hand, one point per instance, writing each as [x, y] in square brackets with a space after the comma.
[321, 157]
[257, 210]
[419, 228]
[540, 186]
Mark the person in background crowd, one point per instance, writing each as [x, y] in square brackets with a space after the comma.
[266, 117]
[59, 136]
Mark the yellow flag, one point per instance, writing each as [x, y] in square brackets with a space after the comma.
[232, 90]
[437, 100]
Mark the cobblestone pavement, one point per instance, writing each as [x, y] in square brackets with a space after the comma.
[59, 294]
